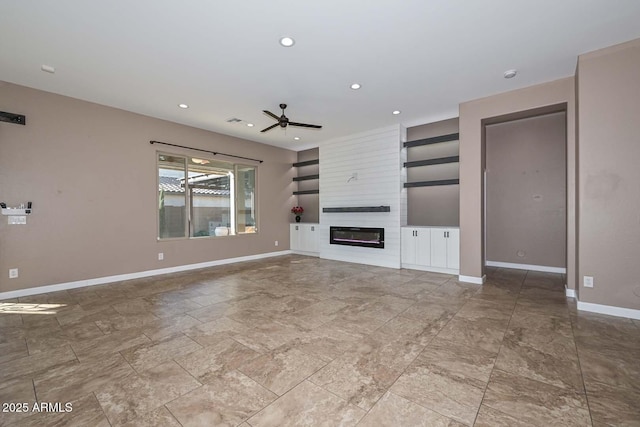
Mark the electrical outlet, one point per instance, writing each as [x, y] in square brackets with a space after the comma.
[160, 256]
[276, 243]
[13, 273]
[588, 281]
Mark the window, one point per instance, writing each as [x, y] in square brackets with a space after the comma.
[200, 197]
[171, 200]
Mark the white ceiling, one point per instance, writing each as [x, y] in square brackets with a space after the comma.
[222, 57]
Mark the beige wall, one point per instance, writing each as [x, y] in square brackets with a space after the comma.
[526, 191]
[310, 202]
[473, 115]
[433, 205]
[609, 175]
[91, 174]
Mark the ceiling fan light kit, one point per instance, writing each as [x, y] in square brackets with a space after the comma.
[283, 121]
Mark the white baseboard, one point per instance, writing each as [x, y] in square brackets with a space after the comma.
[472, 279]
[526, 267]
[609, 309]
[432, 269]
[570, 293]
[120, 277]
[307, 253]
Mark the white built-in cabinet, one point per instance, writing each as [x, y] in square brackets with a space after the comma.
[304, 238]
[416, 246]
[431, 249]
[445, 248]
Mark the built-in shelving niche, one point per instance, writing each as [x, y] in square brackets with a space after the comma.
[307, 181]
[432, 174]
[313, 176]
[442, 173]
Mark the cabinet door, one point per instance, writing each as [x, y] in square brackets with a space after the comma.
[308, 241]
[294, 237]
[305, 237]
[313, 240]
[423, 246]
[408, 246]
[439, 247]
[453, 248]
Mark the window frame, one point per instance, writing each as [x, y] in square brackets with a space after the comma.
[188, 199]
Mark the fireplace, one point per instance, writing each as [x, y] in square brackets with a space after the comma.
[357, 236]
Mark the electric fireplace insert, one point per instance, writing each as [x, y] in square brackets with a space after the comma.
[367, 237]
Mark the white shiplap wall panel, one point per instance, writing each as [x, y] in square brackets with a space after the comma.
[376, 158]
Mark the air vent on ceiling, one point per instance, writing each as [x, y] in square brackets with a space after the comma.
[234, 120]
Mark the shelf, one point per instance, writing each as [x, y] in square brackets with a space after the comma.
[18, 119]
[439, 161]
[431, 183]
[296, 193]
[306, 177]
[16, 211]
[358, 209]
[307, 163]
[434, 140]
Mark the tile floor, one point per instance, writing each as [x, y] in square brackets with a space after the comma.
[294, 340]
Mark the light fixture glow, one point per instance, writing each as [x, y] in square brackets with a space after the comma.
[355, 86]
[287, 41]
[183, 106]
[297, 138]
[509, 74]
[28, 308]
[199, 161]
[396, 112]
[250, 125]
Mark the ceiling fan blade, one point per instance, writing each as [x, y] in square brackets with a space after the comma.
[270, 127]
[270, 114]
[305, 125]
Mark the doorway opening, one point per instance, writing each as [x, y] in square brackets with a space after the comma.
[525, 190]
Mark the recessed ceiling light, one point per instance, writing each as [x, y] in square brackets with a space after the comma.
[297, 138]
[250, 125]
[355, 86]
[287, 41]
[396, 112]
[48, 69]
[509, 74]
[183, 106]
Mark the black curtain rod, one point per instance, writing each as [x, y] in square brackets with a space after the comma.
[215, 153]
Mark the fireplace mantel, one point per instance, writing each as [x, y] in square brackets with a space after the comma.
[357, 209]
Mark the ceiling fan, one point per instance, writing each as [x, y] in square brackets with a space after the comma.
[283, 121]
